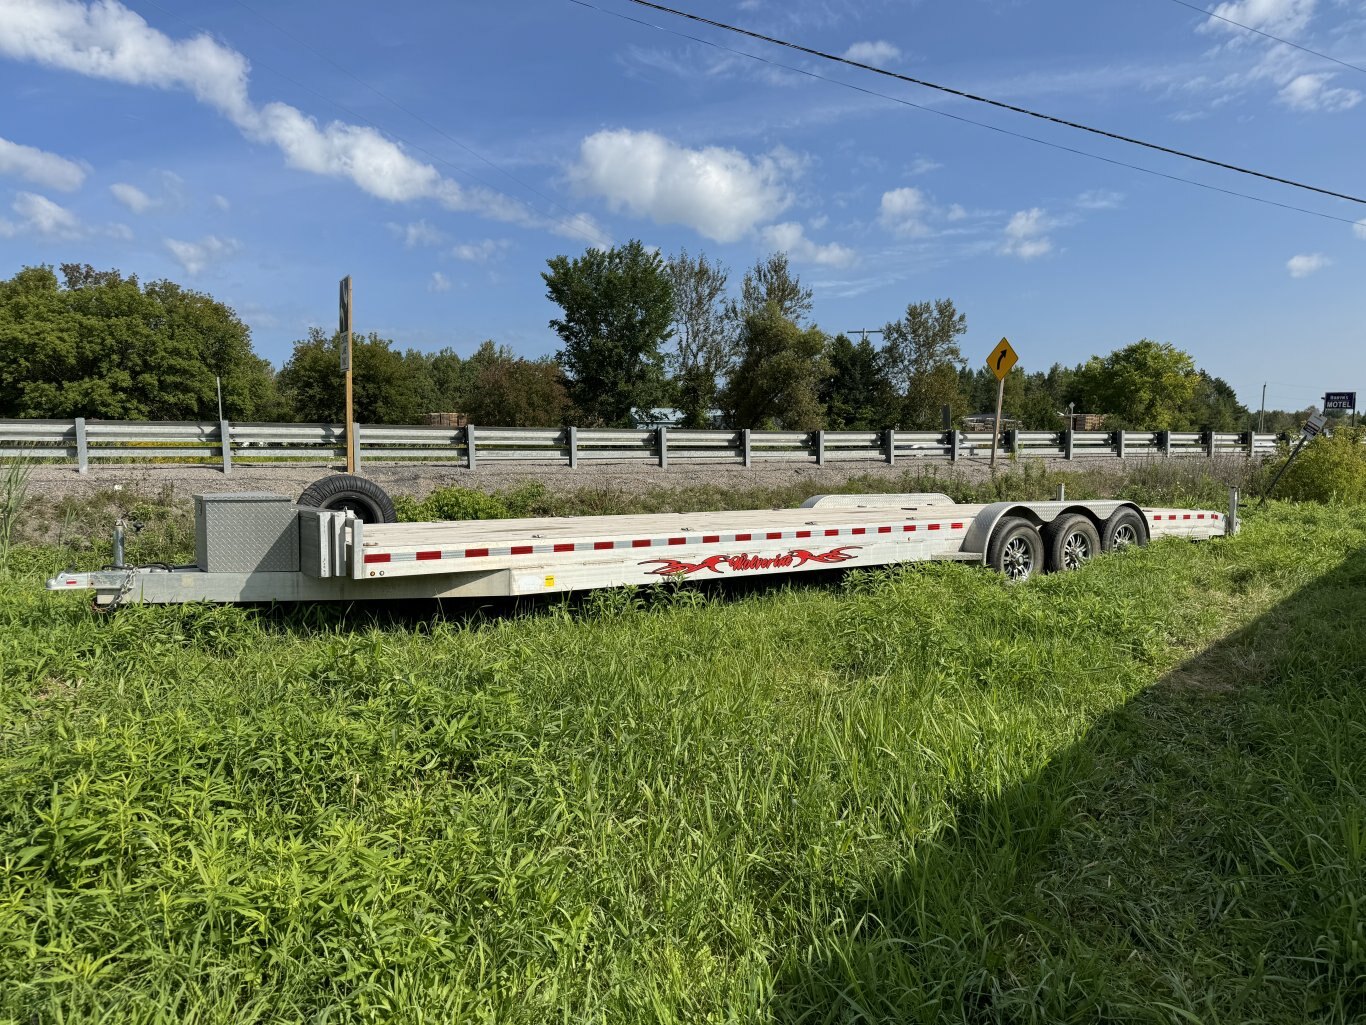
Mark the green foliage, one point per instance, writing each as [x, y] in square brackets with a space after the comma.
[457, 503]
[617, 306]
[770, 282]
[389, 387]
[923, 356]
[505, 391]
[1145, 386]
[858, 395]
[1330, 469]
[1126, 794]
[101, 345]
[705, 334]
[777, 382]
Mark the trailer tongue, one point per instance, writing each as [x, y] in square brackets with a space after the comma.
[255, 547]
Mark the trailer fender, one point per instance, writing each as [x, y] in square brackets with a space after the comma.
[984, 523]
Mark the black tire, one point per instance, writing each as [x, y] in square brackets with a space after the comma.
[343, 491]
[1016, 549]
[1071, 542]
[1124, 528]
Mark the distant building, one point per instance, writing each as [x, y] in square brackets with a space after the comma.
[648, 419]
[445, 419]
[986, 422]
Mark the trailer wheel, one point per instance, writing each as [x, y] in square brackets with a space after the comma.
[1072, 541]
[1123, 529]
[347, 492]
[1016, 549]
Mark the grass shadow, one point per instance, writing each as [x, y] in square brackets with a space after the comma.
[1199, 857]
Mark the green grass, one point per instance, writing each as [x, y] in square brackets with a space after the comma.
[1130, 794]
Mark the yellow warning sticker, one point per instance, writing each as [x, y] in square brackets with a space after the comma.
[549, 581]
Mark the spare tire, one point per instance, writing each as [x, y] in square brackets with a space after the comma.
[347, 492]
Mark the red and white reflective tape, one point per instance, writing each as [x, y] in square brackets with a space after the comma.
[568, 547]
[1159, 517]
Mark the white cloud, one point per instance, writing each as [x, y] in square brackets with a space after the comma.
[195, 256]
[1099, 199]
[720, 193]
[1304, 264]
[439, 282]
[40, 167]
[1359, 229]
[923, 165]
[1277, 17]
[418, 233]
[1311, 92]
[1026, 234]
[956, 212]
[878, 53]
[903, 211]
[790, 238]
[480, 252]
[132, 197]
[222, 202]
[108, 41]
[38, 215]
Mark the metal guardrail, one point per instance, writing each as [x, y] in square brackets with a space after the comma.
[223, 444]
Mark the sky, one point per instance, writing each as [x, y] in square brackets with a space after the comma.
[441, 153]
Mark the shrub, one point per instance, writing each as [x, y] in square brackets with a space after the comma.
[1330, 469]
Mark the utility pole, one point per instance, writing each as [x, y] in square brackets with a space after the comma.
[1261, 413]
[865, 331]
[344, 327]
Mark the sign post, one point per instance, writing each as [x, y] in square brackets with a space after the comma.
[344, 328]
[1001, 360]
[1311, 429]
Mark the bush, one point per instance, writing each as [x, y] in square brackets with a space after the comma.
[454, 503]
[1330, 470]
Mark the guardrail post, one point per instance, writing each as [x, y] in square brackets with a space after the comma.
[746, 448]
[1121, 443]
[225, 443]
[82, 447]
[953, 445]
[1061, 494]
[1208, 439]
[1164, 438]
[820, 448]
[471, 458]
[1012, 442]
[1231, 520]
[1249, 439]
[354, 442]
[573, 447]
[1067, 448]
[662, 440]
[890, 441]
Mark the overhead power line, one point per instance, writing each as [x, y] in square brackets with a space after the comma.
[1114, 162]
[962, 94]
[1267, 35]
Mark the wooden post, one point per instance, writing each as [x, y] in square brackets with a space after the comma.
[1165, 439]
[890, 435]
[1068, 443]
[82, 447]
[352, 448]
[996, 433]
[1119, 444]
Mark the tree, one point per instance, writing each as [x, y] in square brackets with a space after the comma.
[771, 282]
[1145, 386]
[857, 395]
[922, 351]
[101, 345]
[617, 305]
[777, 382]
[704, 332]
[519, 393]
[389, 387]
[1215, 406]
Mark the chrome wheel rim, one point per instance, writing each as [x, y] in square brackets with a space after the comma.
[1075, 550]
[1017, 559]
[1125, 535]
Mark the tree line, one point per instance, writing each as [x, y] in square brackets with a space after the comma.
[638, 332]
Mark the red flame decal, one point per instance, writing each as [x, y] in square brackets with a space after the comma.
[743, 562]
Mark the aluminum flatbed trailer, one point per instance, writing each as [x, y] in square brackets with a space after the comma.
[256, 547]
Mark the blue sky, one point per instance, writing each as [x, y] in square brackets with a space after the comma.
[441, 153]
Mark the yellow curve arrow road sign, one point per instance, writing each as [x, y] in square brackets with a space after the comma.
[1002, 358]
